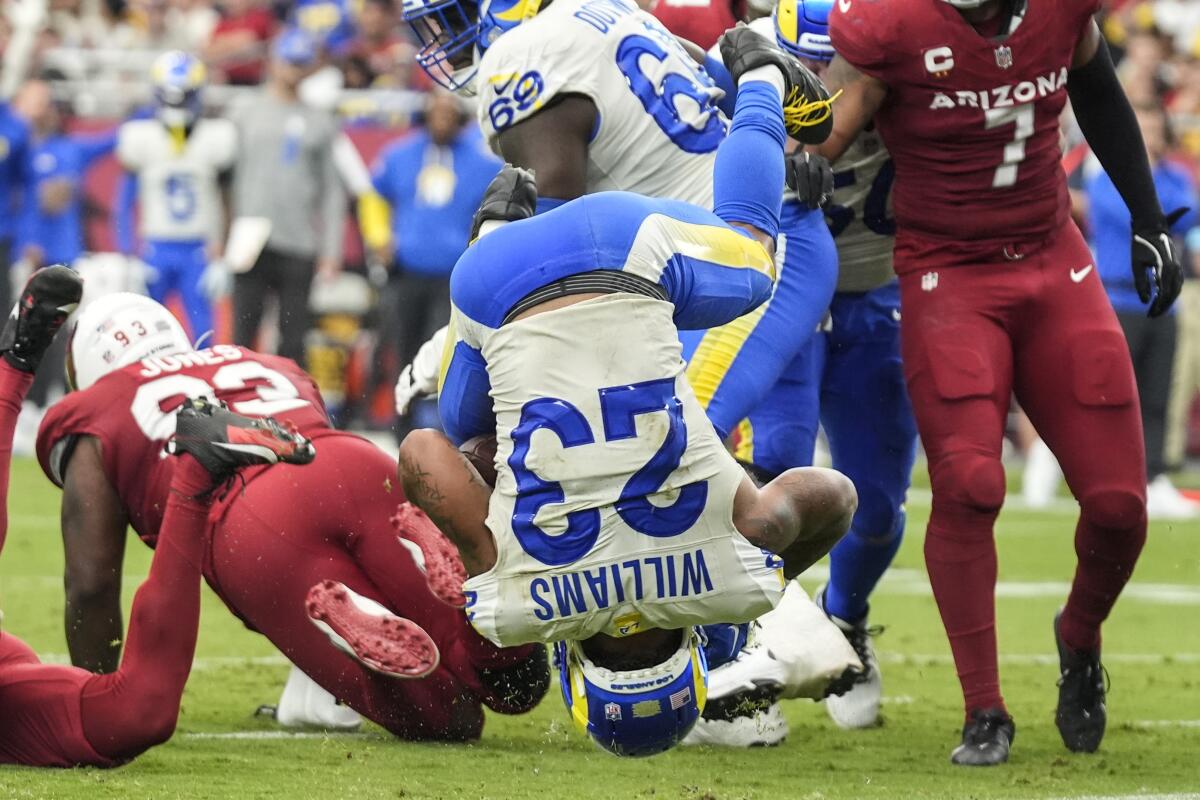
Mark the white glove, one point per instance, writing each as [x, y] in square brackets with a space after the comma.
[216, 281]
[420, 378]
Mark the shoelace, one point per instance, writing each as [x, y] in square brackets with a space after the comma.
[858, 638]
[986, 727]
[805, 114]
[1096, 680]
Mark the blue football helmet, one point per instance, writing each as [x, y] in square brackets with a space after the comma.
[637, 713]
[802, 28]
[178, 79]
[455, 33]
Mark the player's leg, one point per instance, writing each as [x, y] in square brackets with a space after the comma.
[1075, 379]
[162, 278]
[250, 292]
[872, 438]
[958, 367]
[273, 547]
[194, 260]
[48, 297]
[293, 288]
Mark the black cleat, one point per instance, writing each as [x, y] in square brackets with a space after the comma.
[223, 441]
[806, 104]
[987, 737]
[1081, 715]
[50, 295]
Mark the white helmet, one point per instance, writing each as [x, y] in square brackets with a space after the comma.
[117, 330]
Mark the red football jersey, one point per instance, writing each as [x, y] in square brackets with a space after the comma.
[132, 413]
[699, 21]
[972, 122]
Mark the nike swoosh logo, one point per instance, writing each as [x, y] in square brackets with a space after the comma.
[844, 5]
[1079, 275]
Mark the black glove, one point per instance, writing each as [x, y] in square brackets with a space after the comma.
[810, 177]
[512, 195]
[1156, 267]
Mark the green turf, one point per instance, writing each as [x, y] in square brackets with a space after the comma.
[1154, 649]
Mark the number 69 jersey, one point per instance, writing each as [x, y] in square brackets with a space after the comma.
[972, 122]
[132, 413]
[657, 124]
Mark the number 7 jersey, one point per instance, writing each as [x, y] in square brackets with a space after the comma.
[657, 125]
[972, 122]
[131, 412]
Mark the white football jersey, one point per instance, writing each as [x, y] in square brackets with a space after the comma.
[860, 216]
[581, 547]
[177, 185]
[657, 126]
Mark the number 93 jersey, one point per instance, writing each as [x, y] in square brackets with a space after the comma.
[657, 124]
[177, 178]
[131, 412]
[972, 122]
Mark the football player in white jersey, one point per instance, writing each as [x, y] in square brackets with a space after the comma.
[595, 95]
[177, 158]
[618, 521]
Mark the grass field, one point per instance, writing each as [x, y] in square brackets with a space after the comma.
[222, 751]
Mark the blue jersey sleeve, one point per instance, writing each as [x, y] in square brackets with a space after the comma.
[94, 146]
[464, 388]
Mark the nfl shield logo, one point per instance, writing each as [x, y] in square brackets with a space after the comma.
[1004, 58]
[612, 712]
[929, 281]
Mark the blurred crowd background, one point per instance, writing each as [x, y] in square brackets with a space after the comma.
[354, 290]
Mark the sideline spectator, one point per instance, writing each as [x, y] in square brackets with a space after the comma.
[433, 182]
[285, 172]
[1151, 341]
[239, 41]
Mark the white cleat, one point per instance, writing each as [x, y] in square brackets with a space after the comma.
[742, 708]
[811, 654]
[1039, 484]
[1164, 501]
[858, 707]
[306, 704]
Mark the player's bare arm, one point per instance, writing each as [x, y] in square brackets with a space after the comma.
[1108, 123]
[443, 482]
[554, 144]
[799, 516]
[93, 529]
[862, 95]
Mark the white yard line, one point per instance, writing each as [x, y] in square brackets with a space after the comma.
[1039, 659]
[285, 735]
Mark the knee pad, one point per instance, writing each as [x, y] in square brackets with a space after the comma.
[1116, 509]
[879, 520]
[969, 480]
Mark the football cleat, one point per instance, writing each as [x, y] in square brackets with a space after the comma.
[436, 557]
[49, 297]
[367, 632]
[807, 107]
[987, 737]
[305, 703]
[519, 687]
[1081, 715]
[223, 441]
[743, 708]
[858, 706]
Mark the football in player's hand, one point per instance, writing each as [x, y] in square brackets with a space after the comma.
[481, 452]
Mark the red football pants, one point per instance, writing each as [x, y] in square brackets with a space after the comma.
[1041, 327]
[61, 716]
[297, 526]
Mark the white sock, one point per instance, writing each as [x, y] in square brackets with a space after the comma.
[768, 74]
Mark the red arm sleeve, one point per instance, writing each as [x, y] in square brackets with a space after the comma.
[859, 32]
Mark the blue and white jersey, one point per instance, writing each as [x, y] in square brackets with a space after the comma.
[657, 126]
[860, 215]
[177, 178]
[612, 510]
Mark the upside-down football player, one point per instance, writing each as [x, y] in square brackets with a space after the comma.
[308, 558]
[1000, 297]
[618, 521]
[62, 716]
